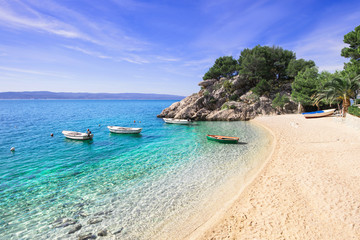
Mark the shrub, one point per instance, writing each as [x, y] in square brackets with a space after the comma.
[354, 110]
[262, 88]
[233, 97]
[206, 93]
[280, 101]
[227, 85]
[224, 106]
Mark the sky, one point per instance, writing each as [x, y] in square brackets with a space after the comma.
[157, 46]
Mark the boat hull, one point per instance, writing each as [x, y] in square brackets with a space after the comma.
[124, 130]
[177, 121]
[223, 139]
[77, 135]
[318, 114]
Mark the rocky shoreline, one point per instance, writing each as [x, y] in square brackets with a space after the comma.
[227, 100]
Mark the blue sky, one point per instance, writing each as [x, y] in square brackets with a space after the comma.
[120, 46]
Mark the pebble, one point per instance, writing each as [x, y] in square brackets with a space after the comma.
[86, 236]
[83, 214]
[103, 233]
[75, 229]
[64, 222]
[118, 231]
[94, 220]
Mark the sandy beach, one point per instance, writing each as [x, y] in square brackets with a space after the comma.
[309, 188]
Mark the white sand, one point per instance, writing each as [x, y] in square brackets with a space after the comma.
[308, 189]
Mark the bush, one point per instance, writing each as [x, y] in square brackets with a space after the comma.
[206, 93]
[227, 85]
[280, 101]
[224, 106]
[262, 88]
[233, 97]
[354, 110]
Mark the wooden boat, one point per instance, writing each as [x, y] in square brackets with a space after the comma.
[316, 114]
[222, 139]
[177, 121]
[116, 129]
[77, 135]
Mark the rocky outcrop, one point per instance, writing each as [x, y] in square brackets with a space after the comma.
[227, 99]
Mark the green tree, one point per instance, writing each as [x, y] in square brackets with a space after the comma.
[262, 88]
[297, 65]
[342, 89]
[223, 67]
[279, 101]
[353, 39]
[263, 62]
[352, 68]
[305, 86]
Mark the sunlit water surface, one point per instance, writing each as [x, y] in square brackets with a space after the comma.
[134, 186]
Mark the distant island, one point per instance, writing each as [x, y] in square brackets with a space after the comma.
[87, 96]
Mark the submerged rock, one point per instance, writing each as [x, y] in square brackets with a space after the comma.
[86, 236]
[118, 231]
[64, 222]
[94, 220]
[103, 233]
[75, 229]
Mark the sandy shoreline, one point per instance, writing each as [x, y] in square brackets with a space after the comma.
[308, 189]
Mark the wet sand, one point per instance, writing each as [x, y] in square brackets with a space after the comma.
[309, 188]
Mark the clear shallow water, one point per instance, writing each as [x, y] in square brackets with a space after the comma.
[137, 185]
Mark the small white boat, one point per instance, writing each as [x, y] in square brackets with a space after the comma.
[177, 121]
[77, 135]
[115, 129]
[317, 114]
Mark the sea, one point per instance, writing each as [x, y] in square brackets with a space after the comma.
[160, 184]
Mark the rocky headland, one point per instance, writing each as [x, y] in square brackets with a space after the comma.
[228, 99]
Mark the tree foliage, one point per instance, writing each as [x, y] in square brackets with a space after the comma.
[280, 100]
[298, 65]
[305, 85]
[224, 67]
[353, 50]
[262, 88]
[342, 89]
[263, 62]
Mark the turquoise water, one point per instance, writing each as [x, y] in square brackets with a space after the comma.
[135, 186]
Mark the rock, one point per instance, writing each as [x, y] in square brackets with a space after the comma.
[118, 231]
[83, 214]
[86, 236]
[208, 103]
[94, 220]
[75, 229]
[290, 107]
[207, 83]
[64, 222]
[103, 233]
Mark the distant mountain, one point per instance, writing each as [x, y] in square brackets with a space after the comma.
[99, 96]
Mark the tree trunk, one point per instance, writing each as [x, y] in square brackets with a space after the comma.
[346, 104]
[300, 108]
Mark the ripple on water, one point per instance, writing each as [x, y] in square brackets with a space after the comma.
[131, 185]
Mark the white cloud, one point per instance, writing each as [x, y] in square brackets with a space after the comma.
[34, 72]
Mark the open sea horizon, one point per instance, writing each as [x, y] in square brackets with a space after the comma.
[136, 186]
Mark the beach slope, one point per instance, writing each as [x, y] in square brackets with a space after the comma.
[308, 189]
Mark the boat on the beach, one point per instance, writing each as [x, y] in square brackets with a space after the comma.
[316, 114]
[77, 135]
[116, 129]
[177, 121]
[222, 139]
